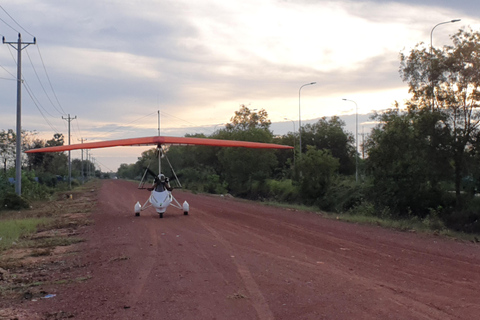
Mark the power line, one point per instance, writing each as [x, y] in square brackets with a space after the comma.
[32, 95]
[48, 78]
[13, 76]
[46, 120]
[15, 22]
[8, 24]
[96, 160]
[43, 88]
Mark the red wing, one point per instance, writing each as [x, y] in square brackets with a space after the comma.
[159, 140]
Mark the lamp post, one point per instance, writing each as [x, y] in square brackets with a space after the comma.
[293, 139]
[300, 117]
[431, 57]
[356, 139]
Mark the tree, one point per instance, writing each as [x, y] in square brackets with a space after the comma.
[7, 148]
[246, 119]
[241, 168]
[448, 83]
[330, 135]
[318, 169]
[405, 168]
[54, 163]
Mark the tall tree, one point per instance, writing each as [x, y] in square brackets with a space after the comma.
[405, 168]
[318, 169]
[7, 148]
[447, 82]
[241, 167]
[329, 134]
[247, 119]
[50, 162]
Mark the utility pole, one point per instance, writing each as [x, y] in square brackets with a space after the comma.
[81, 164]
[18, 161]
[69, 152]
[88, 165]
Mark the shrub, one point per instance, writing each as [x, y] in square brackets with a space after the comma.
[343, 194]
[11, 201]
[282, 190]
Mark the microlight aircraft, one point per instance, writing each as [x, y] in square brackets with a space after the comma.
[160, 199]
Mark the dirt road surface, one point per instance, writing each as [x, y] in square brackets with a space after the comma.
[234, 259]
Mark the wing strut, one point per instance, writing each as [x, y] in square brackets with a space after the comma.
[171, 167]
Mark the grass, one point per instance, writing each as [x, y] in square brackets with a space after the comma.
[427, 226]
[411, 225]
[13, 229]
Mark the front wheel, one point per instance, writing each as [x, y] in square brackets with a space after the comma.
[185, 213]
[160, 214]
[137, 214]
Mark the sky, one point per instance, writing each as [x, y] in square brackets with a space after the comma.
[115, 64]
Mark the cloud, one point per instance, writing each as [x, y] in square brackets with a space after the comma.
[113, 62]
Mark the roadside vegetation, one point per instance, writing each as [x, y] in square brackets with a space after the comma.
[36, 243]
[419, 167]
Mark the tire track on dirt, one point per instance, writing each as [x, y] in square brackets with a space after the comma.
[147, 265]
[414, 299]
[256, 297]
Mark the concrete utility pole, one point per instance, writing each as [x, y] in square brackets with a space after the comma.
[88, 166]
[69, 152]
[18, 161]
[83, 175]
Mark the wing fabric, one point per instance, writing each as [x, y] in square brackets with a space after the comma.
[159, 140]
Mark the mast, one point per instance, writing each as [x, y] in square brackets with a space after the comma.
[159, 147]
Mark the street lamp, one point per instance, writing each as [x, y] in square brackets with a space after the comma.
[356, 139]
[299, 116]
[431, 56]
[293, 139]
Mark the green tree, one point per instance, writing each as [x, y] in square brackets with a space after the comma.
[244, 169]
[330, 135]
[245, 119]
[7, 148]
[48, 162]
[318, 170]
[406, 169]
[447, 82]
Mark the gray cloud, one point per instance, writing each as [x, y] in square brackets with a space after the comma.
[114, 62]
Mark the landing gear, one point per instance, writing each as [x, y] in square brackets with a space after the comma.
[161, 215]
[137, 214]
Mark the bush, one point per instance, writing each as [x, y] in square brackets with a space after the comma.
[432, 221]
[365, 208]
[11, 201]
[343, 194]
[466, 219]
[283, 190]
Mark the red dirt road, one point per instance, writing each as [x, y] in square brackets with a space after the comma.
[232, 259]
